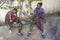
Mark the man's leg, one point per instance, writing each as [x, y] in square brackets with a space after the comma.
[41, 28]
[58, 31]
[30, 29]
[20, 26]
[20, 29]
[9, 25]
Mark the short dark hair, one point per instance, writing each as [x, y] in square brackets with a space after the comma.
[15, 9]
[40, 4]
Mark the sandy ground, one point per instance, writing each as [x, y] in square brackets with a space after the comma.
[52, 32]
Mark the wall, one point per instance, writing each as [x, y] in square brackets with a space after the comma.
[51, 6]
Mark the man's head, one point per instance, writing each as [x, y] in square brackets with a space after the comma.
[14, 10]
[39, 5]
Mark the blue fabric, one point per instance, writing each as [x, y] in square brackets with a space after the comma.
[26, 22]
[28, 35]
[39, 10]
[43, 36]
[40, 27]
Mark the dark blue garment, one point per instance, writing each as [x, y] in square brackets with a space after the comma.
[39, 12]
[40, 27]
[29, 34]
[43, 36]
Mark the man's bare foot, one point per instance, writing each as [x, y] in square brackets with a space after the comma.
[19, 34]
[10, 31]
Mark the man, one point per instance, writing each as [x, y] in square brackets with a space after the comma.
[11, 18]
[38, 20]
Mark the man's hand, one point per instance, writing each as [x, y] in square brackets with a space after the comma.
[10, 20]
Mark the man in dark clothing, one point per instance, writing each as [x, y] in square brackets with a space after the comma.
[38, 20]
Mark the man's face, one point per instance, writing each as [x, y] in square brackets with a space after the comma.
[38, 6]
[14, 11]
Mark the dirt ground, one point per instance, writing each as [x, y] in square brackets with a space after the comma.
[51, 28]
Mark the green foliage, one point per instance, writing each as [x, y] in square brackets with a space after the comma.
[10, 7]
[1, 1]
[17, 0]
[18, 7]
[24, 13]
[32, 1]
[12, 0]
[20, 0]
[3, 8]
[39, 0]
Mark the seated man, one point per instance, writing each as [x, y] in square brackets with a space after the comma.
[11, 18]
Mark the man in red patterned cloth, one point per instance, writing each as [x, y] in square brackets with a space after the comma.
[11, 17]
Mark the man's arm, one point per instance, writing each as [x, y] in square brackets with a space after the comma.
[10, 16]
[35, 13]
